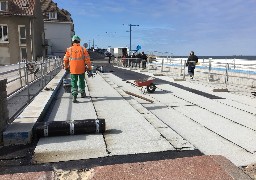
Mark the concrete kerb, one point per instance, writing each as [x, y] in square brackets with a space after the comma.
[21, 130]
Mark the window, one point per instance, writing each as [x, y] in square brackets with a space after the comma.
[25, 5]
[3, 33]
[23, 53]
[22, 35]
[3, 5]
[52, 15]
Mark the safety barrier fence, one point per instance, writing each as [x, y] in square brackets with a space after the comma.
[128, 62]
[28, 72]
[27, 79]
[233, 71]
[241, 72]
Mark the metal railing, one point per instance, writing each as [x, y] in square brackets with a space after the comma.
[128, 62]
[28, 72]
[225, 71]
[25, 80]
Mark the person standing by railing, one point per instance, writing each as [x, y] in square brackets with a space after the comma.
[133, 60]
[144, 60]
[124, 60]
[191, 63]
[138, 60]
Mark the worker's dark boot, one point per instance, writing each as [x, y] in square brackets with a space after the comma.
[83, 95]
[74, 99]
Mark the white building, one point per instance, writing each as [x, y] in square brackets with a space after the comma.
[58, 35]
[58, 28]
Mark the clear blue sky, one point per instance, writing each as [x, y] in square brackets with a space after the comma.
[209, 27]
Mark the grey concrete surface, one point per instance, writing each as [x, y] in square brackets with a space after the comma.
[233, 123]
[176, 120]
[127, 131]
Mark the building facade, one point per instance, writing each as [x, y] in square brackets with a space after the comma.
[21, 31]
[58, 28]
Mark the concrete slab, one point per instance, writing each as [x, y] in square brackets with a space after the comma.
[175, 139]
[228, 112]
[232, 98]
[228, 143]
[66, 148]
[65, 110]
[222, 126]
[73, 147]
[128, 131]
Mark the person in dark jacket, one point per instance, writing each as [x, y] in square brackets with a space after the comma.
[191, 63]
[144, 60]
[138, 61]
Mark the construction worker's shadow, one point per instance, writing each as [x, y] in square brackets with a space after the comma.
[82, 100]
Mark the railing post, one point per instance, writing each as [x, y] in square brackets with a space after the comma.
[55, 66]
[50, 68]
[20, 74]
[42, 72]
[162, 68]
[181, 67]
[184, 70]
[27, 80]
[148, 63]
[226, 75]
[209, 69]
[4, 113]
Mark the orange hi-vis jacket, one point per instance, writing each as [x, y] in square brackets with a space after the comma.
[76, 58]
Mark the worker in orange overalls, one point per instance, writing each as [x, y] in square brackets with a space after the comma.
[76, 61]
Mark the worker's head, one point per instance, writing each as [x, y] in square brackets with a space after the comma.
[192, 53]
[76, 39]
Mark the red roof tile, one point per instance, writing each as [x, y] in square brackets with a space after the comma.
[20, 8]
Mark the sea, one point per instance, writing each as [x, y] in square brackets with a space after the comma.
[253, 58]
[238, 64]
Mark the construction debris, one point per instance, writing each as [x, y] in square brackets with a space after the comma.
[136, 95]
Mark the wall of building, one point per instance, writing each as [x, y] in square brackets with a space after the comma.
[5, 57]
[38, 31]
[59, 34]
[10, 52]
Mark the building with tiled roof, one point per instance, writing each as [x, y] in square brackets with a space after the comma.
[20, 7]
[49, 7]
[21, 30]
[58, 27]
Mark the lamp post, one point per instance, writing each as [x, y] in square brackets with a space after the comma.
[131, 34]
